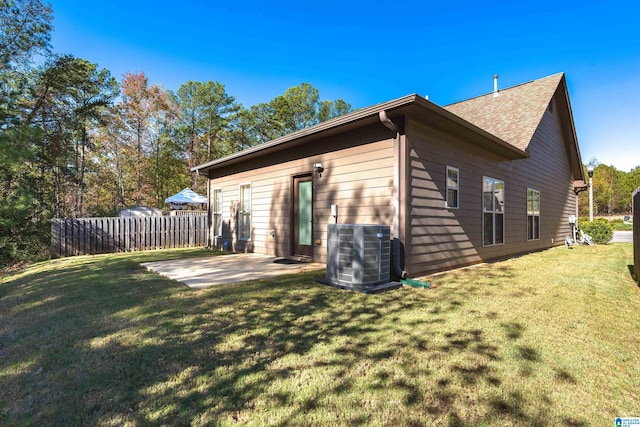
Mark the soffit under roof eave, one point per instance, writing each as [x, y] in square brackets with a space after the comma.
[578, 183]
[577, 170]
[262, 150]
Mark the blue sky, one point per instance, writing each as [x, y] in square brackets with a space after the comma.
[367, 52]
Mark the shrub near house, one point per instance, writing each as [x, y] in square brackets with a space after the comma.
[600, 230]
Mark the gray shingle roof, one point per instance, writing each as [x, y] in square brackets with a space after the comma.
[513, 115]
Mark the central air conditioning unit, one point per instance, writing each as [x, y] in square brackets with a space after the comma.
[358, 256]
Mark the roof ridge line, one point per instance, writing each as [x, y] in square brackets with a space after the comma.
[505, 89]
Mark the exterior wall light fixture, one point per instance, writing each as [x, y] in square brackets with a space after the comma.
[318, 169]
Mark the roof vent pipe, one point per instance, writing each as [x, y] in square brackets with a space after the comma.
[495, 85]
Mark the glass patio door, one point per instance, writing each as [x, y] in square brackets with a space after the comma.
[303, 216]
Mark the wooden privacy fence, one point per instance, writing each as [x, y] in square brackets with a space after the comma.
[88, 236]
[636, 234]
[188, 212]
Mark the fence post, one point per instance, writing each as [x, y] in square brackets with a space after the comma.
[127, 234]
[139, 234]
[64, 250]
[162, 226]
[152, 240]
[55, 238]
[115, 234]
[90, 237]
[103, 226]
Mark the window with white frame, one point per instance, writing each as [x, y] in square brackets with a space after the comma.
[533, 214]
[217, 212]
[492, 211]
[453, 193]
[244, 213]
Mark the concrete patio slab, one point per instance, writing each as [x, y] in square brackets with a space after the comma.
[209, 271]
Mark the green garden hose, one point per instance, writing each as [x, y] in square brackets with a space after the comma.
[415, 283]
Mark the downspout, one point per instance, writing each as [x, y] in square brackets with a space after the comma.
[395, 229]
[577, 192]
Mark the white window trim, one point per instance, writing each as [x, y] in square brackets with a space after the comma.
[457, 188]
[240, 212]
[534, 214]
[494, 211]
[218, 232]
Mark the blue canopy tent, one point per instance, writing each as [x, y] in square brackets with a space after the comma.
[184, 198]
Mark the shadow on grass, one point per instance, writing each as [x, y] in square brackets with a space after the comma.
[103, 341]
[632, 273]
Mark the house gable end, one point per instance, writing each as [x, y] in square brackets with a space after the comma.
[558, 110]
[515, 114]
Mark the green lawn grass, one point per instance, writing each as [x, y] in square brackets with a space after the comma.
[619, 225]
[551, 338]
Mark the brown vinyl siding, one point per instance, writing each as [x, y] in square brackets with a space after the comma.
[358, 177]
[441, 238]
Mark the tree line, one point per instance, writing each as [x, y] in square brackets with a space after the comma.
[612, 190]
[76, 142]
